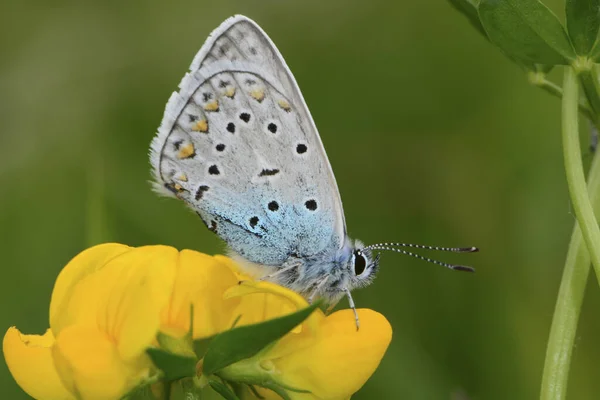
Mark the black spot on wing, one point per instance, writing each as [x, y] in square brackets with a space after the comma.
[200, 192]
[253, 222]
[311, 204]
[268, 172]
[214, 170]
[301, 148]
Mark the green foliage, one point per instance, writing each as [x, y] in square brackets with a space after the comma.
[200, 346]
[144, 392]
[583, 23]
[243, 342]
[173, 366]
[185, 389]
[277, 389]
[221, 351]
[527, 31]
[469, 9]
[222, 389]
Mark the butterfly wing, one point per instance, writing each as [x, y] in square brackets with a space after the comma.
[238, 145]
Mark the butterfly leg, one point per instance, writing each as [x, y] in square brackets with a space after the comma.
[280, 271]
[352, 306]
[318, 287]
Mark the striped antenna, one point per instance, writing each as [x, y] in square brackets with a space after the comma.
[424, 247]
[382, 246]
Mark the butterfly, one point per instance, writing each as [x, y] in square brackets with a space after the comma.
[238, 145]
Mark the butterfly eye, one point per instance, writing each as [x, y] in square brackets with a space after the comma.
[360, 263]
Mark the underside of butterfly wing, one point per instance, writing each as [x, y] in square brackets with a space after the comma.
[239, 146]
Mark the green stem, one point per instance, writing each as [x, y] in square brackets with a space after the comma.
[539, 79]
[589, 83]
[568, 303]
[574, 169]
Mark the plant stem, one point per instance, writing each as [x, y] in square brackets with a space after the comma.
[589, 83]
[574, 169]
[568, 303]
[539, 79]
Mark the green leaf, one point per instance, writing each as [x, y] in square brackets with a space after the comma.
[201, 346]
[583, 23]
[176, 345]
[245, 341]
[222, 389]
[595, 53]
[255, 392]
[469, 9]
[147, 388]
[277, 389]
[185, 389]
[543, 68]
[173, 366]
[526, 30]
[141, 393]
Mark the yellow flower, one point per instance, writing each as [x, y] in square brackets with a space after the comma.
[326, 356]
[104, 313]
[111, 302]
[29, 359]
[336, 363]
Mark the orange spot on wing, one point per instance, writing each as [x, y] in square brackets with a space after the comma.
[230, 91]
[284, 104]
[201, 126]
[258, 94]
[186, 151]
[212, 106]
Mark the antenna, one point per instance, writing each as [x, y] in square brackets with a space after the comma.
[424, 247]
[386, 246]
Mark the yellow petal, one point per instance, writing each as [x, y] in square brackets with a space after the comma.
[124, 298]
[144, 292]
[201, 280]
[340, 360]
[233, 266]
[89, 363]
[248, 287]
[263, 300]
[29, 359]
[84, 264]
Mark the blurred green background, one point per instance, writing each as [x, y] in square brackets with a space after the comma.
[433, 136]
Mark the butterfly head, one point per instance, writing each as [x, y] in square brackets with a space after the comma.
[363, 266]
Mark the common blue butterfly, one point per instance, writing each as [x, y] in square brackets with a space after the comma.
[238, 145]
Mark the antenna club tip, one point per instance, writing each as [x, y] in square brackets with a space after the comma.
[470, 249]
[463, 268]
